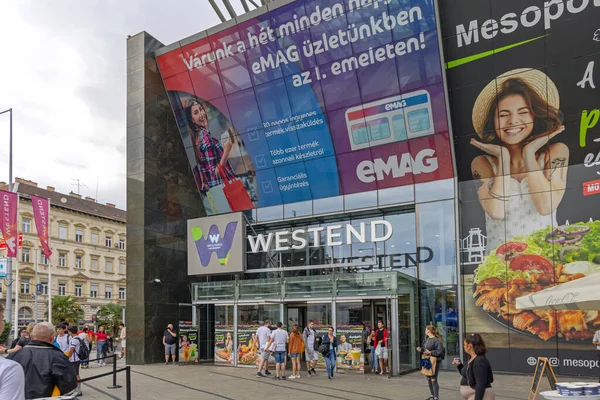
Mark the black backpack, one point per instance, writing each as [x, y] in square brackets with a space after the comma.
[83, 353]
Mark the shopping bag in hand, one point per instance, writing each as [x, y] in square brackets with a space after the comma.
[235, 192]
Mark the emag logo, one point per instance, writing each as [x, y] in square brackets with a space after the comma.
[214, 242]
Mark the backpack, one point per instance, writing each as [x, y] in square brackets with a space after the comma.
[83, 353]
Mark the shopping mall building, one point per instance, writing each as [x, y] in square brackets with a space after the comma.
[413, 161]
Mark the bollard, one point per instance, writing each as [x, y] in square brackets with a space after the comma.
[128, 382]
[114, 385]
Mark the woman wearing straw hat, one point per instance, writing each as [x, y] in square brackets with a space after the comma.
[521, 179]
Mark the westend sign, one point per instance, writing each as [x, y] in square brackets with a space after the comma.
[332, 235]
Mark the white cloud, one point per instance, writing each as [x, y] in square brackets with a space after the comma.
[63, 73]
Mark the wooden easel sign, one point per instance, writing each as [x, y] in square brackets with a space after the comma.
[542, 366]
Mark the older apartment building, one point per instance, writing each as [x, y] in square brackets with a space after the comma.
[88, 253]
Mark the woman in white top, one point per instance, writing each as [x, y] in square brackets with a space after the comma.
[521, 180]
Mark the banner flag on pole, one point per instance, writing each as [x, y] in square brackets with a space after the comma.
[41, 207]
[8, 221]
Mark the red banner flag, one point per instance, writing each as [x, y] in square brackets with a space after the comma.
[41, 207]
[9, 221]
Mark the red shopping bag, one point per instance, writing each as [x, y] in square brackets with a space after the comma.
[235, 192]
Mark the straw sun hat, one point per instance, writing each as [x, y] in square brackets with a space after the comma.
[537, 80]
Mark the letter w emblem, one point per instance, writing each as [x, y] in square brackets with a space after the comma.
[214, 243]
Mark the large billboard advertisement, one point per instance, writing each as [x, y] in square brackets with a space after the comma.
[523, 78]
[216, 245]
[311, 100]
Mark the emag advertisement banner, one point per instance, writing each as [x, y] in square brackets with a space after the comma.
[523, 77]
[311, 100]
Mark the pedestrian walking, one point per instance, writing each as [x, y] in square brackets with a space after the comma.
[309, 335]
[329, 346]
[263, 334]
[12, 378]
[47, 371]
[295, 349]
[83, 335]
[101, 338]
[381, 347]
[433, 347]
[123, 340]
[279, 338]
[170, 342]
[373, 359]
[476, 376]
[76, 352]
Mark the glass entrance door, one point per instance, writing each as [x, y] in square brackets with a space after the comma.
[407, 331]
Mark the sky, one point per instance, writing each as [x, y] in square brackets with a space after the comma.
[62, 70]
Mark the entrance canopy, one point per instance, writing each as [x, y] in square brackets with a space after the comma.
[359, 285]
[580, 294]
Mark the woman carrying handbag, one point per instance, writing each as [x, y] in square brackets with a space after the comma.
[476, 375]
[433, 353]
[328, 348]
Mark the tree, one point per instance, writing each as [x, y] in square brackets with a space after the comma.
[6, 333]
[110, 316]
[65, 308]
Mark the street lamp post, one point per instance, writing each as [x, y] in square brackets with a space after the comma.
[9, 281]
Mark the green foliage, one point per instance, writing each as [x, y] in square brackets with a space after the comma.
[5, 333]
[110, 316]
[65, 308]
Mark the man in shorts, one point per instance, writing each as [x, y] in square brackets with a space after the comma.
[310, 353]
[280, 338]
[73, 353]
[170, 342]
[263, 334]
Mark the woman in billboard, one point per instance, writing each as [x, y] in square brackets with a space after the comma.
[211, 156]
[521, 179]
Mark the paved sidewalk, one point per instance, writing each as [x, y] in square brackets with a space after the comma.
[207, 381]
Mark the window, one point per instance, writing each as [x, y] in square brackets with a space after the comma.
[78, 290]
[94, 264]
[122, 267]
[122, 243]
[25, 313]
[94, 290]
[108, 241]
[62, 259]
[109, 266]
[26, 225]
[62, 232]
[25, 289]
[44, 287]
[25, 254]
[62, 288]
[78, 262]
[79, 235]
[108, 291]
[44, 259]
[121, 293]
[95, 237]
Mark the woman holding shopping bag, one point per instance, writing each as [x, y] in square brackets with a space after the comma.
[433, 351]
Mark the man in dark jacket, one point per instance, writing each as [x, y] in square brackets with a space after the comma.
[45, 366]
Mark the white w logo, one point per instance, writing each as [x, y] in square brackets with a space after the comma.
[214, 238]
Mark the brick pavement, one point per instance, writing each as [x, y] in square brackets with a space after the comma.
[206, 381]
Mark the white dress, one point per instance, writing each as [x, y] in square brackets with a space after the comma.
[520, 215]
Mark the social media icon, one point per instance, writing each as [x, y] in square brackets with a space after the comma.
[532, 361]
